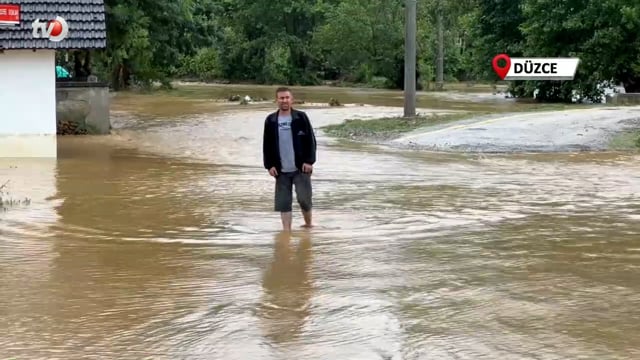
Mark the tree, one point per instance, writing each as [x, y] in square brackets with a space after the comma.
[308, 41]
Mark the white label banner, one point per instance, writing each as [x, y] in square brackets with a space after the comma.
[535, 68]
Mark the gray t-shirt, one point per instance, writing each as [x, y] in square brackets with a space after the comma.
[287, 155]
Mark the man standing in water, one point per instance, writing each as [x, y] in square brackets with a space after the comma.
[289, 152]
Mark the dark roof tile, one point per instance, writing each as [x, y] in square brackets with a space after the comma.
[86, 19]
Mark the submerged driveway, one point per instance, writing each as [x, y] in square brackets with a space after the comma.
[568, 130]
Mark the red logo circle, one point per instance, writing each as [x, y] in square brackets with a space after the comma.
[57, 27]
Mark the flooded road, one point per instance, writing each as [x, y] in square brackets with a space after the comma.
[159, 242]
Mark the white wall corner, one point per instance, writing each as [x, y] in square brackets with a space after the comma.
[28, 103]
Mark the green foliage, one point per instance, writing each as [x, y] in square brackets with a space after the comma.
[278, 64]
[603, 34]
[205, 65]
[305, 42]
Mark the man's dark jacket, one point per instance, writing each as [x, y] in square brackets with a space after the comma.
[304, 140]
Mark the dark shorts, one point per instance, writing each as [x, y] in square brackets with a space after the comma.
[284, 191]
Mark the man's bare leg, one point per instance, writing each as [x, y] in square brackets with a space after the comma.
[286, 220]
[307, 219]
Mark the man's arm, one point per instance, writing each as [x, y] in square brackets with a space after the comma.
[311, 142]
[266, 146]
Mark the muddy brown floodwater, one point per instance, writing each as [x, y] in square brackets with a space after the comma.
[159, 243]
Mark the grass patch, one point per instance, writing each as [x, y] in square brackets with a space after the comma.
[389, 128]
[628, 140]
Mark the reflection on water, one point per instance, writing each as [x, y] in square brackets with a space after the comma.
[127, 254]
[287, 289]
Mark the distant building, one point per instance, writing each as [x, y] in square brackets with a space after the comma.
[30, 33]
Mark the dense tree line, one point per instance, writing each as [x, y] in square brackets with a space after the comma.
[309, 42]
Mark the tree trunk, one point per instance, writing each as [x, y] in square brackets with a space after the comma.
[119, 77]
[440, 60]
[86, 66]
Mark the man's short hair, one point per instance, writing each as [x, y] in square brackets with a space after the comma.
[282, 89]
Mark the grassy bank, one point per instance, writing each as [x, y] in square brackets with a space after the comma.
[629, 140]
[389, 128]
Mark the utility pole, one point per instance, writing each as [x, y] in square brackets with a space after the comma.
[440, 60]
[410, 59]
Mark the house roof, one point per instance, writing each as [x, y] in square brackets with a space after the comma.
[86, 20]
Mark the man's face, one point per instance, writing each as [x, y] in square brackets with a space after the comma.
[285, 99]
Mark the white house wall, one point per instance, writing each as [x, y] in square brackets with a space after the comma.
[27, 103]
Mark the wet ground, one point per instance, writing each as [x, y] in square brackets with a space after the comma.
[159, 242]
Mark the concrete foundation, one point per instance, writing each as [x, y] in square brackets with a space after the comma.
[624, 99]
[85, 104]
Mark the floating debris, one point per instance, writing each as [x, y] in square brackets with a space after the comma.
[334, 102]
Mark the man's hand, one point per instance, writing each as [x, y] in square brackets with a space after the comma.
[307, 169]
[273, 172]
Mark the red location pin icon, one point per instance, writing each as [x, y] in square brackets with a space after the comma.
[501, 71]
